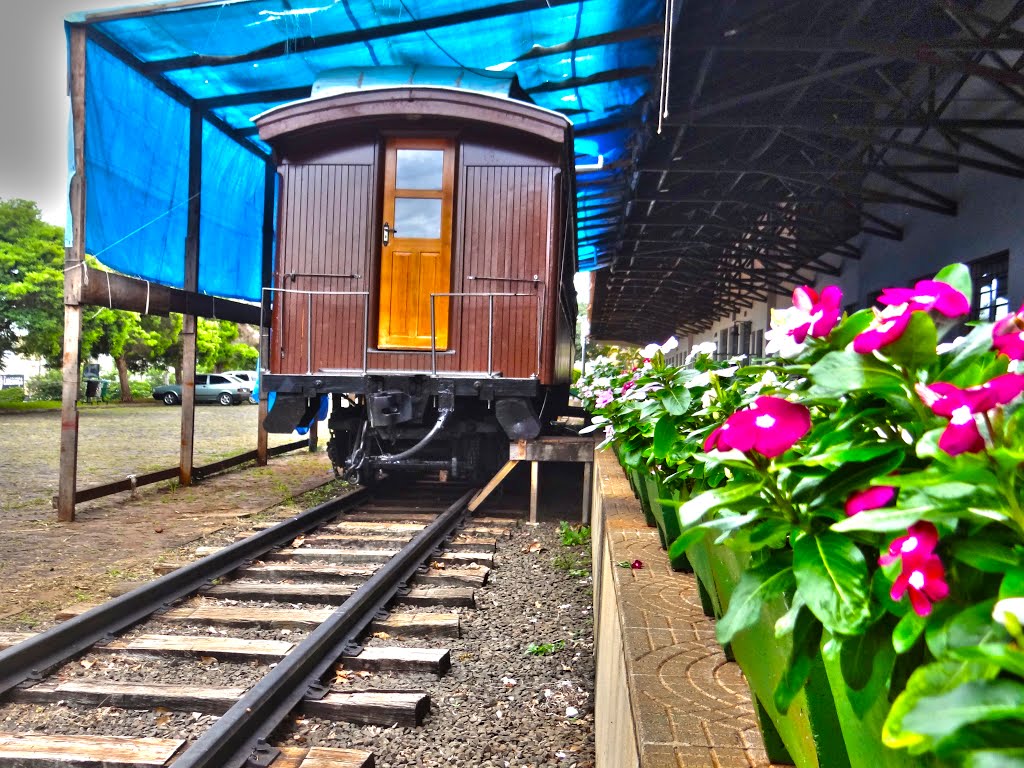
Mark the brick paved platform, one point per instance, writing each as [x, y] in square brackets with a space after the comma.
[685, 706]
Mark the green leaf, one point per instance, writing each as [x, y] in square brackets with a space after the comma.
[915, 348]
[1013, 583]
[856, 475]
[882, 520]
[806, 642]
[756, 587]
[839, 373]
[986, 555]
[857, 655]
[1003, 656]
[972, 702]
[973, 625]
[907, 631]
[832, 577]
[693, 510]
[665, 434]
[786, 623]
[978, 341]
[850, 328]
[1010, 757]
[925, 681]
[675, 399]
[958, 276]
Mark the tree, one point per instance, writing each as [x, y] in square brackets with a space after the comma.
[31, 282]
[218, 347]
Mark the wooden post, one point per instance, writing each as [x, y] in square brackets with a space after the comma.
[313, 436]
[588, 481]
[534, 490]
[73, 260]
[188, 327]
[269, 185]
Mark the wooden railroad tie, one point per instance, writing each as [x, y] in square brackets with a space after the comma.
[343, 574]
[408, 624]
[290, 554]
[384, 708]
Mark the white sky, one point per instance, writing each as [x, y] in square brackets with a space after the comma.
[33, 95]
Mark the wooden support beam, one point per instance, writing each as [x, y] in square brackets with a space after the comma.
[534, 490]
[68, 476]
[188, 325]
[110, 289]
[493, 483]
[266, 281]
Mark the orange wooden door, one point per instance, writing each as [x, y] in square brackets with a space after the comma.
[416, 244]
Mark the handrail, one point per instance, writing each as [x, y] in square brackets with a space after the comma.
[491, 295]
[309, 320]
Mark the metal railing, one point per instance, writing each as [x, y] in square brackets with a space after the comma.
[491, 296]
[269, 293]
[309, 319]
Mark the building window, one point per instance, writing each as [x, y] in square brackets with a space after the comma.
[991, 299]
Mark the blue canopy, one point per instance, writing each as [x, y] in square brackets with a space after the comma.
[149, 65]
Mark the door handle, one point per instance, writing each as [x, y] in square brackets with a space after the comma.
[387, 233]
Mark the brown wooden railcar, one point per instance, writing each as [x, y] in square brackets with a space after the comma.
[425, 254]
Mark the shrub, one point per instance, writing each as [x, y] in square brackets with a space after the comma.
[12, 395]
[46, 386]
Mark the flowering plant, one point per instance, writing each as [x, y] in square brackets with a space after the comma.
[875, 477]
[881, 494]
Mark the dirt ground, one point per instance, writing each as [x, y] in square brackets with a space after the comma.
[46, 565]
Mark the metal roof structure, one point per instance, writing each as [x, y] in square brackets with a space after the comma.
[159, 74]
[793, 128]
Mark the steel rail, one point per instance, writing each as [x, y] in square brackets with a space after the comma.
[237, 739]
[31, 658]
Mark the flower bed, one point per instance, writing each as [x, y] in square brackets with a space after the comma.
[856, 503]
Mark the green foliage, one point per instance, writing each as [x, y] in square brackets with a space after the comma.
[957, 683]
[544, 649]
[573, 535]
[141, 390]
[46, 386]
[12, 395]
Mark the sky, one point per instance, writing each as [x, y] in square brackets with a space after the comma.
[33, 92]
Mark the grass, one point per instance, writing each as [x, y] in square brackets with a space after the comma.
[31, 405]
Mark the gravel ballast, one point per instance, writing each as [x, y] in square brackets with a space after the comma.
[498, 706]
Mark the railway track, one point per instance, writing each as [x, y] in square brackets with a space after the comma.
[281, 612]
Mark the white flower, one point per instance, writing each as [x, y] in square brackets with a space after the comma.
[700, 380]
[704, 348]
[601, 383]
[778, 341]
[650, 351]
[1010, 606]
[709, 396]
[950, 345]
[669, 345]
[768, 379]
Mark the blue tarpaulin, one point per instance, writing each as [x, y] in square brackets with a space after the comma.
[149, 64]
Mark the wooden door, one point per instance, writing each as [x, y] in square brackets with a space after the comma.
[419, 176]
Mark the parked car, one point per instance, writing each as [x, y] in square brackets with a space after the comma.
[252, 378]
[210, 388]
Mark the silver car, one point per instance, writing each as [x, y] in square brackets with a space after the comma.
[210, 388]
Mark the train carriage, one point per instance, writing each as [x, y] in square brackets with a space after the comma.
[423, 272]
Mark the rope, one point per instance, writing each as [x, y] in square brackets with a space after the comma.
[666, 62]
[149, 223]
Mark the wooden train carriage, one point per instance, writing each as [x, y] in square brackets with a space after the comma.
[426, 248]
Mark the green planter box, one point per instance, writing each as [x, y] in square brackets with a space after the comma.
[828, 725]
[666, 516]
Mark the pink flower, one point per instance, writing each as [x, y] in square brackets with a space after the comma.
[961, 405]
[925, 580]
[919, 542]
[628, 386]
[921, 573]
[603, 398]
[821, 312]
[771, 427]
[1008, 336]
[636, 565]
[870, 498]
[883, 330]
[927, 295]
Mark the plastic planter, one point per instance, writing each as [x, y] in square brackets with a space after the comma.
[666, 518]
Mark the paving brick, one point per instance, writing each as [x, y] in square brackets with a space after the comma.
[692, 707]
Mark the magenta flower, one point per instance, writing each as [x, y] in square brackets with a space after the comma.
[771, 427]
[1008, 336]
[883, 330]
[960, 406]
[603, 398]
[628, 386]
[919, 542]
[924, 580]
[921, 573]
[870, 498]
[821, 312]
[927, 295]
